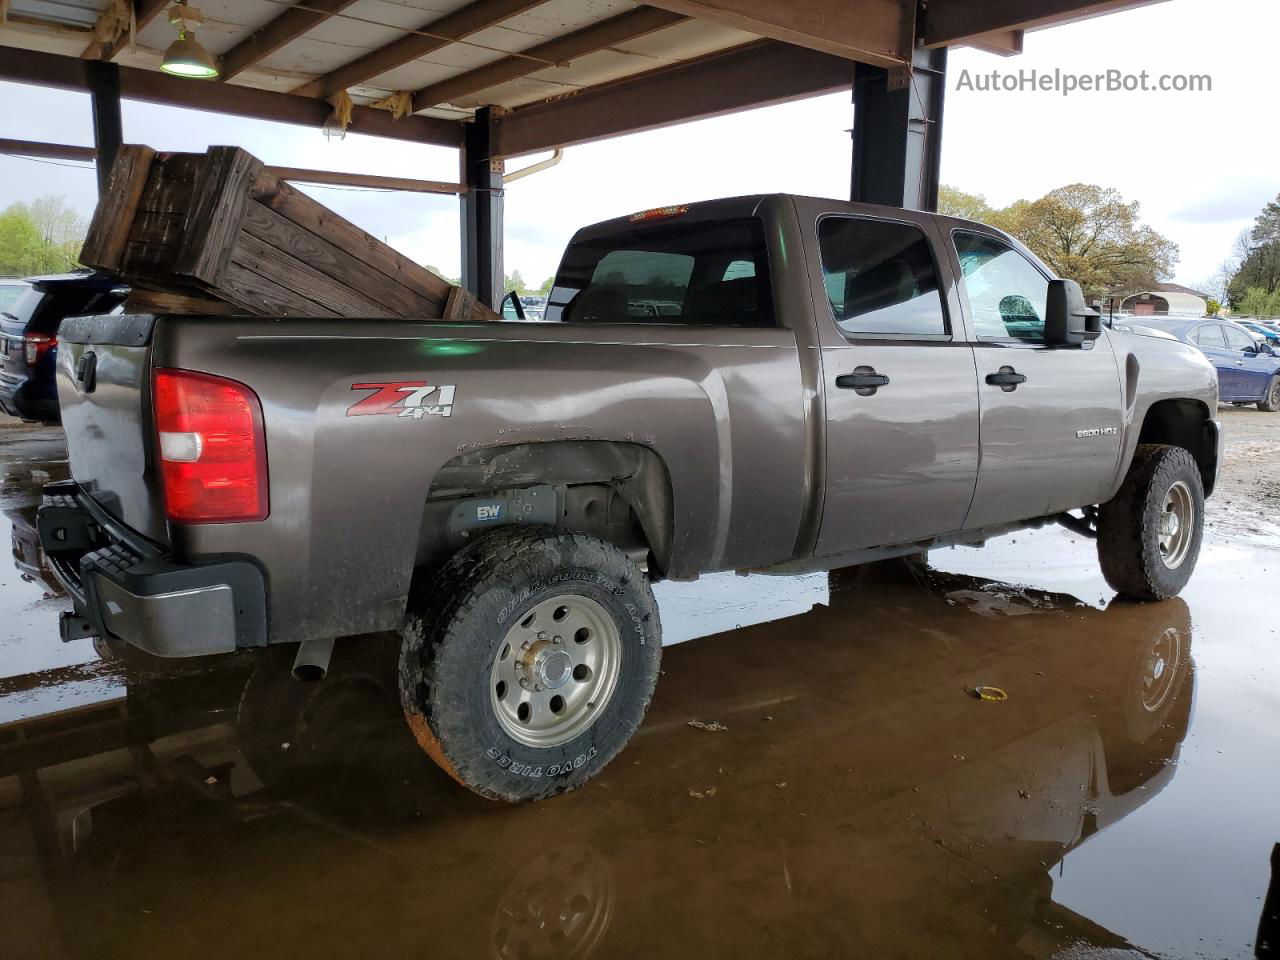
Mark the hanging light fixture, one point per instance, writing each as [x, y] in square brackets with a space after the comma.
[186, 57]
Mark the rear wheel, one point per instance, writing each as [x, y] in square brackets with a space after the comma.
[529, 661]
[1149, 534]
[1270, 401]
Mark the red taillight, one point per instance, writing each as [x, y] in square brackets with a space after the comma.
[36, 346]
[211, 446]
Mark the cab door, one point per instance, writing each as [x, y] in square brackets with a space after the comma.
[1050, 416]
[901, 430]
[1253, 368]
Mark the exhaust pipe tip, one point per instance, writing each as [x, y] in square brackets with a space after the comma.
[312, 662]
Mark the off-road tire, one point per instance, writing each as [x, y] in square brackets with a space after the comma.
[458, 621]
[1128, 525]
[1270, 401]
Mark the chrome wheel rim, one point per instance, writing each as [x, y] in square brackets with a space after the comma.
[1177, 521]
[555, 670]
[1159, 668]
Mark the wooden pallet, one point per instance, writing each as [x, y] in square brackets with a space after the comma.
[216, 233]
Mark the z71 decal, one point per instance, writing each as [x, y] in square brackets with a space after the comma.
[403, 398]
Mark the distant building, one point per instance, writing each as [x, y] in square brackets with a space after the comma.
[1162, 300]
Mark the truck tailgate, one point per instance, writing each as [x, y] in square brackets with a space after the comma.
[104, 391]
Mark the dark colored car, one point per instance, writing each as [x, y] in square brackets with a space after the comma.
[1247, 371]
[29, 337]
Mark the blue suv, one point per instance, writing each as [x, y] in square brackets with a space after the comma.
[29, 337]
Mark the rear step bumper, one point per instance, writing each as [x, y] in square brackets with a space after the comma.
[125, 586]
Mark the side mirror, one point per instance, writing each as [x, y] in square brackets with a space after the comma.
[512, 308]
[1069, 321]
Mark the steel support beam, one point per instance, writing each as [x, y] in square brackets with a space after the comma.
[482, 268]
[108, 128]
[897, 132]
[151, 86]
[755, 75]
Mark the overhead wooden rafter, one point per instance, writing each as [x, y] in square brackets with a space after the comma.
[144, 11]
[150, 86]
[755, 75]
[458, 25]
[871, 31]
[598, 36]
[270, 37]
[949, 22]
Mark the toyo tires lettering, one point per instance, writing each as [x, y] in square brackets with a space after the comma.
[560, 769]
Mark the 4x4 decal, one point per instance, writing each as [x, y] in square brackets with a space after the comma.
[404, 398]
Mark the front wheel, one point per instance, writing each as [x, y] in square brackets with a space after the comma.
[529, 661]
[1270, 401]
[1149, 534]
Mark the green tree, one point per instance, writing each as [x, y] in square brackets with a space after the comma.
[514, 281]
[954, 202]
[1258, 257]
[545, 289]
[1258, 302]
[1212, 307]
[1083, 231]
[44, 236]
[1092, 235]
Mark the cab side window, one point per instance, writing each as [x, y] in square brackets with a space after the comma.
[880, 278]
[1007, 293]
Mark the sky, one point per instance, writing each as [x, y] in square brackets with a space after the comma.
[1201, 164]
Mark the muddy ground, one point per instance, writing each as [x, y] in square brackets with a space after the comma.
[843, 797]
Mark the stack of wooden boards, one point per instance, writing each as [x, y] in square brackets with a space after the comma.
[216, 233]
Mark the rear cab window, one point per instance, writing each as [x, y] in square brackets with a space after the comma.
[880, 279]
[713, 273]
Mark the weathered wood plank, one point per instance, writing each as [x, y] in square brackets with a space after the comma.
[216, 213]
[104, 246]
[460, 305]
[270, 227]
[171, 184]
[257, 294]
[336, 298]
[324, 223]
[142, 300]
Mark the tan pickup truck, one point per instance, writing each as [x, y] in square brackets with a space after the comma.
[767, 383]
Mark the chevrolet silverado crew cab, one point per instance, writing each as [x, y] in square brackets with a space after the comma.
[770, 383]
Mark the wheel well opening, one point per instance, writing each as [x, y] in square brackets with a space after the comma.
[1184, 423]
[618, 492]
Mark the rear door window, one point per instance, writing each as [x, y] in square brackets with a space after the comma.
[880, 278]
[714, 273]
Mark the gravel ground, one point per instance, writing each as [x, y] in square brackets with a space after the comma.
[1247, 501]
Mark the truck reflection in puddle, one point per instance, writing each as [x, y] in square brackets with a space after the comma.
[858, 801]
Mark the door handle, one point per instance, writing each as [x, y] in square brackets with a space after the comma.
[1007, 379]
[864, 381]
